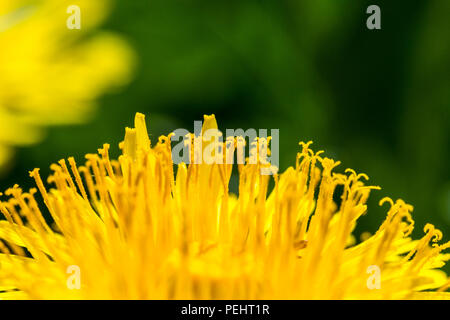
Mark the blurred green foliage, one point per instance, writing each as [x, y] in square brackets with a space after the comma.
[378, 100]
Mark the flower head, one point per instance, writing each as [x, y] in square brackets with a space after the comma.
[140, 228]
[50, 74]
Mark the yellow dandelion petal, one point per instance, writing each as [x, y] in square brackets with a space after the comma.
[138, 227]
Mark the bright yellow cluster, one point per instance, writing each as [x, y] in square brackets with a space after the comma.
[50, 74]
[138, 230]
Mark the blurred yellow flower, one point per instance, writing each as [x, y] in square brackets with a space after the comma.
[133, 229]
[52, 75]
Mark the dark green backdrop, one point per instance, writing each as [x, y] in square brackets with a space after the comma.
[379, 100]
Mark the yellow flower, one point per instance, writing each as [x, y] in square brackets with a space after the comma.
[141, 228]
[50, 74]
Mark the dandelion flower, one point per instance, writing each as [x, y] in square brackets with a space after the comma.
[140, 227]
[50, 74]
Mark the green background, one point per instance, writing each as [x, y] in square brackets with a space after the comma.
[378, 100]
